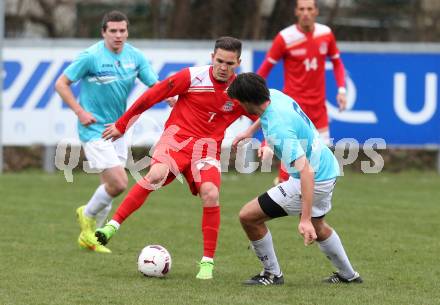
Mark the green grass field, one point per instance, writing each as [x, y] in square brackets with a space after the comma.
[388, 223]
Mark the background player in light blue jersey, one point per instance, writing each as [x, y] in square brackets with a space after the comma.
[308, 192]
[107, 70]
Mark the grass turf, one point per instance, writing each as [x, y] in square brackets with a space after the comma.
[387, 222]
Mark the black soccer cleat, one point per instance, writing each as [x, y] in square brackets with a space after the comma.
[335, 278]
[264, 279]
[104, 234]
[101, 238]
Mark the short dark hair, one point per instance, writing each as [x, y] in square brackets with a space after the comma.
[229, 44]
[115, 16]
[314, 1]
[249, 88]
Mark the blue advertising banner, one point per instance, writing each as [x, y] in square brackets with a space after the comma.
[390, 95]
[33, 113]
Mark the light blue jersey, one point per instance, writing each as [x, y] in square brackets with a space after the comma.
[106, 81]
[287, 128]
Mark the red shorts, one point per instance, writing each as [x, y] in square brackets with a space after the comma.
[196, 160]
[317, 113]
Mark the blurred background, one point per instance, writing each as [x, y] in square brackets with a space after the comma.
[390, 50]
[351, 20]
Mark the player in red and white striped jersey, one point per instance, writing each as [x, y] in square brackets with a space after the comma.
[191, 142]
[304, 48]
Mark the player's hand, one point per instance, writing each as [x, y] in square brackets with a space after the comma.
[171, 101]
[265, 153]
[111, 132]
[341, 98]
[307, 230]
[85, 117]
[240, 137]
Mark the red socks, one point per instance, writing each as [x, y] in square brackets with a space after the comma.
[210, 228]
[133, 201]
[210, 219]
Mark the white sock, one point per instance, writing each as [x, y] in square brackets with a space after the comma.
[99, 201]
[333, 249]
[114, 223]
[266, 253]
[207, 259]
[101, 217]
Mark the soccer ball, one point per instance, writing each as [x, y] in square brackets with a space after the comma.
[154, 260]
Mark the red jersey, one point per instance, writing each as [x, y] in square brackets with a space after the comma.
[304, 56]
[203, 110]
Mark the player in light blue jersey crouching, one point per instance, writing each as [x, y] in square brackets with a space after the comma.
[108, 71]
[313, 170]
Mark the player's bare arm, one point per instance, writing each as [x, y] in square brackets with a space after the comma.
[341, 98]
[265, 152]
[111, 132]
[62, 86]
[246, 134]
[305, 226]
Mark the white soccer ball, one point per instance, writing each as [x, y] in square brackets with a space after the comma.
[154, 260]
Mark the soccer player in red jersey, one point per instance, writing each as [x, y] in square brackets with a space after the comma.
[191, 142]
[304, 47]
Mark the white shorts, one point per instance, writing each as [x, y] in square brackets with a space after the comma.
[285, 198]
[103, 154]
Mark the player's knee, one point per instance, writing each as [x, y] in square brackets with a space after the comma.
[155, 177]
[322, 229]
[157, 174]
[242, 216]
[245, 217]
[209, 194]
[117, 186]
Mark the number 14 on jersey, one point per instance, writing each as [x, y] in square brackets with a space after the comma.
[310, 64]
